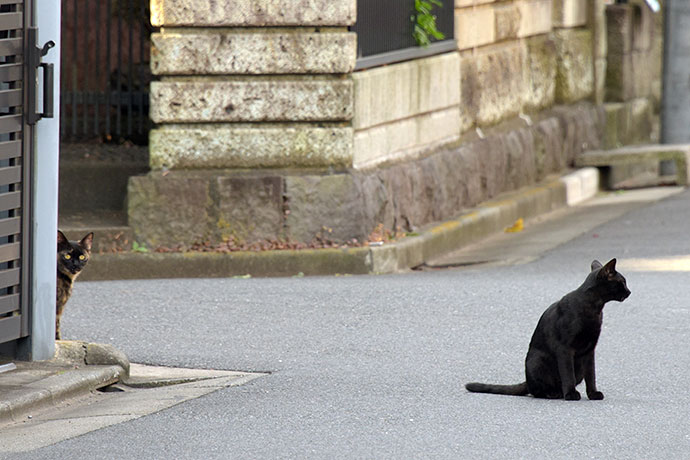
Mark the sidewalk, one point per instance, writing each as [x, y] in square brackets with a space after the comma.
[77, 369]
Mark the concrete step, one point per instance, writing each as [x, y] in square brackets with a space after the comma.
[640, 165]
[94, 177]
[111, 233]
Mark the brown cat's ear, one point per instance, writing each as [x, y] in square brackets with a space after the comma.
[61, 240]
[87, 241]
[595, 264]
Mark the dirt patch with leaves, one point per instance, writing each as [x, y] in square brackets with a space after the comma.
[322, 240]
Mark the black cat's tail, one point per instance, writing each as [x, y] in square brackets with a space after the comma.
[519, 389]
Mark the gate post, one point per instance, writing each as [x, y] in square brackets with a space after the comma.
[675, 107]
[40, 344]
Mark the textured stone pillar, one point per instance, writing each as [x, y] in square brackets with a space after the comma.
[253, 84]
[246, 90]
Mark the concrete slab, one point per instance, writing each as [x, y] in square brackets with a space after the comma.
[96, 410]
[677, 153]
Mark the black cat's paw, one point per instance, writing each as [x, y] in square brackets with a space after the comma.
[572, 395]
[595, 396]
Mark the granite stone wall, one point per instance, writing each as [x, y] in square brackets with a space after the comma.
[265, 130]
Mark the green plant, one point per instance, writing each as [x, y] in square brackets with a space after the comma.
[136, 247]
[425, 22]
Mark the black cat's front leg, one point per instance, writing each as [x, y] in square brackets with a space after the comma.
[566, 368]
[591, 380]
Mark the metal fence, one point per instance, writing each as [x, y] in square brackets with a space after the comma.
[384, 32]
[105, 70]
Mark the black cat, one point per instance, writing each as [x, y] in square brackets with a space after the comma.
[72, 256]
[561, 352]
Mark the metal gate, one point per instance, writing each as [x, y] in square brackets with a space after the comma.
[19, 63]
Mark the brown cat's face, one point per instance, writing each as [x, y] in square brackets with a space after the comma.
[72, 256]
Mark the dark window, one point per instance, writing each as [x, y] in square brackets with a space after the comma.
[384, 31]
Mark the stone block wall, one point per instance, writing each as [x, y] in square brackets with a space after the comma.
[522, 56]
[514, 56]
[264, 130]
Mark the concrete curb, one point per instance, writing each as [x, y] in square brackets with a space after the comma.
[490, 217]
[39, 385]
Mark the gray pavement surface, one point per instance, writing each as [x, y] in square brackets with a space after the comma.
[547, 231]
[374, 366]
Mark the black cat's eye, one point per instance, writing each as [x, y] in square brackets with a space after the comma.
[82, 257]
[67, 256]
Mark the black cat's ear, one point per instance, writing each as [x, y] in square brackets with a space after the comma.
[610, 265]
[596, 264]
[61, 240]
[87, 241]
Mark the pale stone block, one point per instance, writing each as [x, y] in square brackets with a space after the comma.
[398, 140]
[493, 84]
[540, 72]
[438, 82]
[385, 93]
[569, 13]
[474, 26]
[575, 66]
[223, 52]
[507, 21]
[398, 91]
[367, 145]
[207, 100]
[535, 17]
[438, 126]
[219, 146]
[380, 143]
[254, 13]
[401, 135]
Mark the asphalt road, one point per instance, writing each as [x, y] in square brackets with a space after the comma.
[374, 366]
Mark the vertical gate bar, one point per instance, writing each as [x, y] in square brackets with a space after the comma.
[27, 141]
[13, 187]
[97, 100]
[107, 71]
[142, 33]
[87, 70]
[63, 92]
[130, 60]
[118, 114]
[74, 68]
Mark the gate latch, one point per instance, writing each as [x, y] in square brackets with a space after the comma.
[33, 56]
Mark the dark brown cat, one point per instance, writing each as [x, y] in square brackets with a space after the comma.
[71, 258]
[561, 352]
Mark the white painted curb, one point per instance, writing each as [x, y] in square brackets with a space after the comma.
[581, 185]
